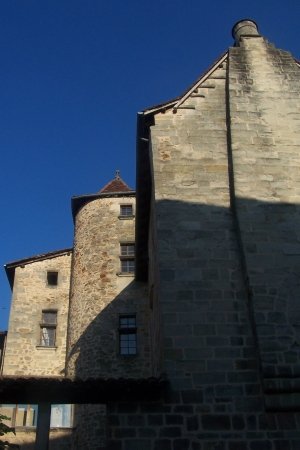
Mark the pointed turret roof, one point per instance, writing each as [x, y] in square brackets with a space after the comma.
[115, 185]
[115, 188]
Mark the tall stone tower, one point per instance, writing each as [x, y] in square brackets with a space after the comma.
[103, 296]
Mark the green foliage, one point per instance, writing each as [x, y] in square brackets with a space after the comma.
[4, 429]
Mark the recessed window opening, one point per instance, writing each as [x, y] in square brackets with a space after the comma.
[126, 210]
[128, 335]
[52, 278]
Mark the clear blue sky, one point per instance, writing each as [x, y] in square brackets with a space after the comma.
[73, 76]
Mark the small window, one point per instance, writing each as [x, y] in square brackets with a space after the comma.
[127, 251]
[127, 335]
[126, 210]
[48, 328]
[127, 266]
[52, 278]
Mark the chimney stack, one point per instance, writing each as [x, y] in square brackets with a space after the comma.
[245, 27]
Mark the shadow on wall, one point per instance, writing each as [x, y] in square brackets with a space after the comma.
[25, 440]
[211, 258]
[97, 352]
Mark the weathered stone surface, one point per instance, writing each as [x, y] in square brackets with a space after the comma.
[24, 354]
[100, 294]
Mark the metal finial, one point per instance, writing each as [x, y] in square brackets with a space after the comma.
[117, 175]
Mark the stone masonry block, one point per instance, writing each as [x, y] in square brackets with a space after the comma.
[216, 422]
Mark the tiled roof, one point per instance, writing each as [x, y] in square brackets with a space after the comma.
[93, 390]
[115, 185]
[11, 266]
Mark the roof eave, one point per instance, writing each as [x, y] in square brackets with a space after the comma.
[172, 103]
[77, 202]
[11, 266]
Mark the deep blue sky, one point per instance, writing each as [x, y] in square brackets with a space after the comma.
[73, 76]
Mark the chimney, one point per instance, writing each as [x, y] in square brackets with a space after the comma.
[245, 27]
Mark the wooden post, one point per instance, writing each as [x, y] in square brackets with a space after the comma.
[43, 426]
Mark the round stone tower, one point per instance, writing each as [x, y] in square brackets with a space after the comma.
[102, 270]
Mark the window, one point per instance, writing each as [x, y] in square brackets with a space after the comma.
[127, 250]
[26, 415]
[127, 335]
[48, 328]
[127, 258]
[126, 211]
[61, 416]
[52, 278]
[19, 415]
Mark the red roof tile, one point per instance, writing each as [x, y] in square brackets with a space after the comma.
[115, 185]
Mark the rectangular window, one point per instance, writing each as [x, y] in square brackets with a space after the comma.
[61, 416]
[19, 415]
[26, 415]
[127, 252]
[48, 328]
[127, 249]
[126, 210]
[52, 278]
[128, 335]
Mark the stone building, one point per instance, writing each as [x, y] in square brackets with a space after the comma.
[178, 317]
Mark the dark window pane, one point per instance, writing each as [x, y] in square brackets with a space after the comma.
[127, 249]
[128, 344]
[52, 278]
[127, 265]
[126, 210]
[49, 317]
[127, 322]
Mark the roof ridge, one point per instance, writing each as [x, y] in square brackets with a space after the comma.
[177, 100]
[117, 184]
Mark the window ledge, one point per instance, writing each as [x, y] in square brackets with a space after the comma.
[125, 274]
[46, 347]
[126, 217]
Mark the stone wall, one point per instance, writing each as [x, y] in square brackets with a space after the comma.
[100, 293]
[207, 334]
[264, 99]
[24, 354]
[225, 219]
[90, 427]
[183, 422]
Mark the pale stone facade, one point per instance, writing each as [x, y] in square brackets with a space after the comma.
[25, 354]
